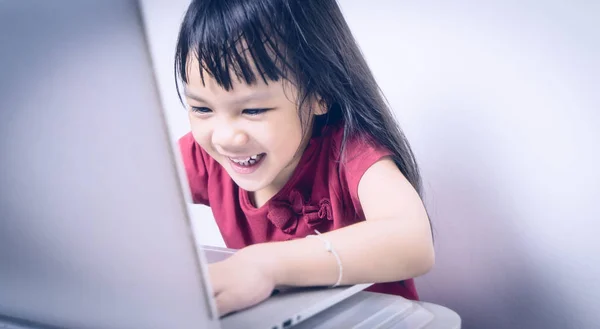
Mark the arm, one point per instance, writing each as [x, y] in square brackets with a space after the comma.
[393, 244]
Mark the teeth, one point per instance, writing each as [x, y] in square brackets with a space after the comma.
[248, 161]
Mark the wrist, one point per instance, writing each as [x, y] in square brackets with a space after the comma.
[265, 256]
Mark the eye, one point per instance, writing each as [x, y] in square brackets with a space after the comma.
[253, 112]
[201, 110]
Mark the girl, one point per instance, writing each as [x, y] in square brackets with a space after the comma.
[290, 138]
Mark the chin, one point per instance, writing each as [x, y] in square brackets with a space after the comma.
[249, 185]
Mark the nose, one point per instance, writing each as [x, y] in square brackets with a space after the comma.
[229, 137]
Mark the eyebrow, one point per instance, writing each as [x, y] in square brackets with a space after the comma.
[241, 100]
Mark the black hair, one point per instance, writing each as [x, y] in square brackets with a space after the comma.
[269, 39]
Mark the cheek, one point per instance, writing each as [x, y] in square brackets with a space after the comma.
[293, 131]
[286, 138]
[287, 123]
[201, 133]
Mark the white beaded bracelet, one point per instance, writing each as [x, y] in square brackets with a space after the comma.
[330, 249]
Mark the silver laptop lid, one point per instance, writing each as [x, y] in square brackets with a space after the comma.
[93, 225]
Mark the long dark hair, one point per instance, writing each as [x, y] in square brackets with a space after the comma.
[268, 39]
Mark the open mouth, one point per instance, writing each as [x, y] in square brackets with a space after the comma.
[248, 161]
[247, 165]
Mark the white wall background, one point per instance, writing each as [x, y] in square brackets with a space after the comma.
[501, 102]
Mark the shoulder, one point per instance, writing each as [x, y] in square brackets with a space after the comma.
[356, 153]
[198, 165]
[187, 145]
[353, 157]
[192, 154]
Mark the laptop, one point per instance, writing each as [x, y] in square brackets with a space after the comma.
[94, 225]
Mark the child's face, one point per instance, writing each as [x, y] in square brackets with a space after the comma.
[258, 148]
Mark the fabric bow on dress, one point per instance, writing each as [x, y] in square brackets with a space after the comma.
[285, 214]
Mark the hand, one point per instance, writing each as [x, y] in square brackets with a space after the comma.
[240, 281]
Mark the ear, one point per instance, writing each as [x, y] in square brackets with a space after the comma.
[321, 107]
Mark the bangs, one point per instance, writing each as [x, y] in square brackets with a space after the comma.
[231, 41]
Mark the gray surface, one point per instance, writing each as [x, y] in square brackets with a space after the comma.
[93, 230]
[444, 318]
[292, 305]
[359, 311]
[367, 310]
